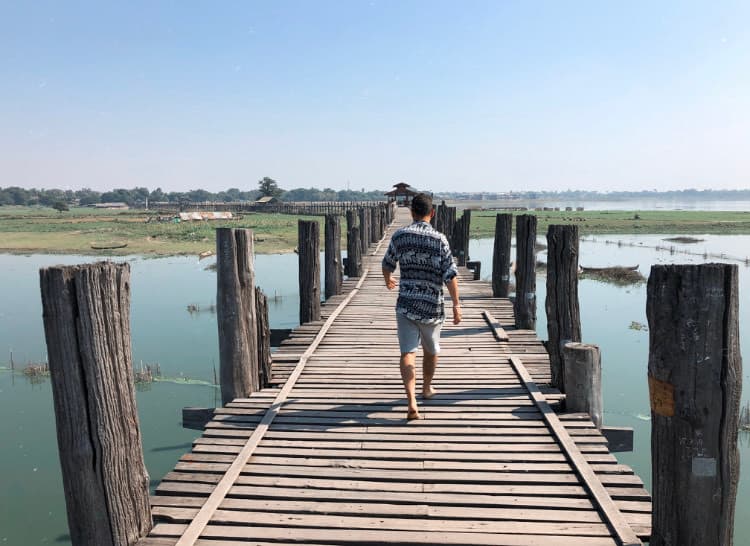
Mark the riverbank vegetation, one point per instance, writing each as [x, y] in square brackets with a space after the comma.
[681, 222]
[41, 229]
[44, 229]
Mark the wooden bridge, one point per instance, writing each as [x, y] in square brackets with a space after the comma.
[327, 456]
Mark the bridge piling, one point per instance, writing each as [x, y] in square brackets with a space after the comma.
[333, 271]
[583, 380]
[501, 255]
[524, 304]
[309, 270]
[561, 302]
[91, 371]
[695, 383]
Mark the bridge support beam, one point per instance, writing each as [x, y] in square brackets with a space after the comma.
[524, 305]
[309, 270]
[501, 255]
[236, 314]
[695, 383]
[86, 311]
[561, 303]
[334, 274]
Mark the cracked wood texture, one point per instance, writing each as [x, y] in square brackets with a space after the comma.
[86, 310]
[695, 380]
[524, 305]
[235, 313]
[561, 302]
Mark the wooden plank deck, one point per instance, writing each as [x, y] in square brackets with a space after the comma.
[327, 456]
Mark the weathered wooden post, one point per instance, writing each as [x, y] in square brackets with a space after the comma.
[373, 225]
[86, 310]
[352, 241]
[235, 314]
[264, 338]
[695, 383]
[309, 270]
[334, 274]
[460, 238]
[354, 254]
[501, 255]
[561, 303]
[364, 234]
[583, 380]
[524, 305]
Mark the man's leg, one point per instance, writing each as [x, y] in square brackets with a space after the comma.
[430, 336]
[429, 363]
[409, 377]
[408, 341]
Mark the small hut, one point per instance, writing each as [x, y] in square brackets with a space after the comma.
[267, 200]
[402, 194]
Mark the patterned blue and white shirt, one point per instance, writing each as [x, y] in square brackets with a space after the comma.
[426, 263]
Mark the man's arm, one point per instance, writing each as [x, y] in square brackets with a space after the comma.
[390, 282]
[450, 277]
[389, 265]
[453, 291]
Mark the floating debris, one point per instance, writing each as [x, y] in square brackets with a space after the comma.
[36, 372]
[195, 309]
[619, 275]
[685, 240]
[639, 326]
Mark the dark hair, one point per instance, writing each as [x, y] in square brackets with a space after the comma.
[421, 205]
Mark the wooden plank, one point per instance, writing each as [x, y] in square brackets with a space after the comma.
[622, 531]
[196, 526]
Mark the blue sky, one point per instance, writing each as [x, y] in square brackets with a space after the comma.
[468, 95]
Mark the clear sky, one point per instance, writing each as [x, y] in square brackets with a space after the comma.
[460, 95]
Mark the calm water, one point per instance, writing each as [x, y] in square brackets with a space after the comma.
[185, 345]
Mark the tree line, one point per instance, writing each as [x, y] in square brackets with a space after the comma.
[137, 197]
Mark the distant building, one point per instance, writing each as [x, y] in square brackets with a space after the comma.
[267, 200]
[402, 194]
[120, 206]
[199, 216]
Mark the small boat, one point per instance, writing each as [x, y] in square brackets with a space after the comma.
[205, 254]
[108, 246]
[621, 267]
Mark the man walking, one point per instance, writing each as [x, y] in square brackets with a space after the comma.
[426, 263]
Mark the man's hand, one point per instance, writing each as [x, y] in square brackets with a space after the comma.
[390, 284]
[456, 313]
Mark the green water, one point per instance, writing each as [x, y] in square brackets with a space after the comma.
[185, 346]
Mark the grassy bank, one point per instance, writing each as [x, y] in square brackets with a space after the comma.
[629, 222]
[25, 229]
[34, 229]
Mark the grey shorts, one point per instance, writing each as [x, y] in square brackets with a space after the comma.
[411, 332]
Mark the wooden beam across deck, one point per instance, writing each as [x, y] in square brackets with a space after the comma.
[327, 457]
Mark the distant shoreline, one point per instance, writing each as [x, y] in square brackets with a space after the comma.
[35, 230]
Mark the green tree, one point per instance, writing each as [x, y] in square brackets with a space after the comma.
[269, 188]
[60, 206]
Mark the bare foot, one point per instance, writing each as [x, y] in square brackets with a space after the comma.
[428, 393]
[413, 414]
